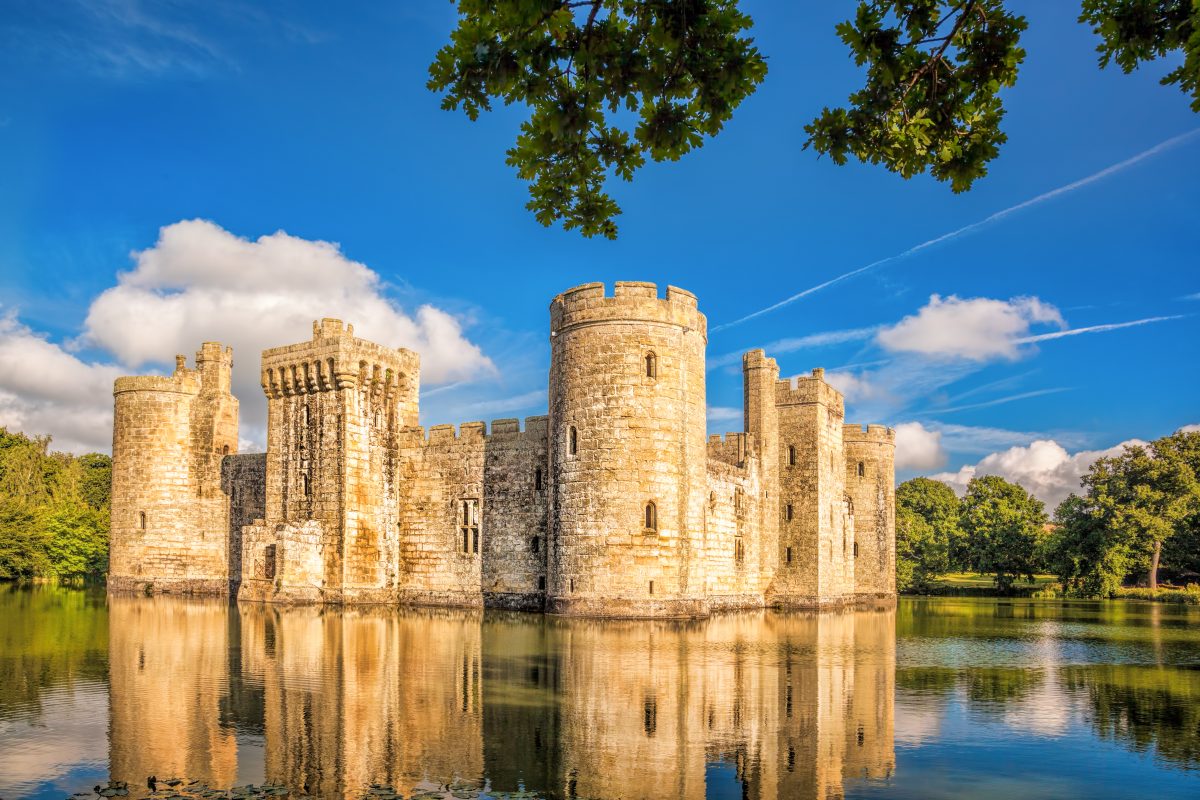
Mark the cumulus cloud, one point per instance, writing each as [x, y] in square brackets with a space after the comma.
[918, 447]
[1189, 428]
[1043, 467]
[976, 329]
[201, 283]
[724, 414]
[44, 389]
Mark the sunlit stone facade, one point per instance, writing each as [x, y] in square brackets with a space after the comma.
[615, 504]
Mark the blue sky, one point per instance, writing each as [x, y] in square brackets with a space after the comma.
[119, 120]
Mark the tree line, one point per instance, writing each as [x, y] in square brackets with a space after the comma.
[1136, 515]
[54, 511]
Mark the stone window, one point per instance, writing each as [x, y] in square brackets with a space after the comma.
[269, 562]
[856, 549]
[225, 450]
[791, 455]
[541, 583]
[537, 479]
[572, 441]
[306, 485]
[468, 525]
[651, 516]
[789, 555]
[142, 520]
[862, 469]
[788, 511]
[651, 365]
[571, 585]
[737, 499]
[739, 550]
[651, 587]
[535, 545]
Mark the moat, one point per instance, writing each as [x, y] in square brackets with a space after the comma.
[1007, 698]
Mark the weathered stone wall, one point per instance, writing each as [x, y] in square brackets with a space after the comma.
[170, 516]
[244, 481]
[335, 406]
[516, 493]
[816, 565]
[440, 499]
[732, 539]
[627, 431]
[759, 378]
[871, 484]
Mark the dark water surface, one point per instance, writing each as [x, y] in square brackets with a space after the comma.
[940, 698]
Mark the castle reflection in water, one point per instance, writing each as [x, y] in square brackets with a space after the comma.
[786, 705]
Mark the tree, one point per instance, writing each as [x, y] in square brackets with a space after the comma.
[920, 556]
[938, 505]
[1090, 557]
[588, 69]
[1004, 525]
[935, 70]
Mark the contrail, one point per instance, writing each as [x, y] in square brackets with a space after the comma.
[998, 401]
[1112, 326]
[974, 226]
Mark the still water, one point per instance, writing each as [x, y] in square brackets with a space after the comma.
[939, 698]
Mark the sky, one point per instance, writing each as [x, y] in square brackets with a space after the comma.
[176, 173]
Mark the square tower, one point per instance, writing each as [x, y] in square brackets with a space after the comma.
[816, 530]
[334, 407]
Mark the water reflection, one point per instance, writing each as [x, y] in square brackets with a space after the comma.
[792, 706]
[761, 706]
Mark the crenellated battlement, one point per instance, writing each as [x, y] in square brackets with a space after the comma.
[807, 389]
[467, 432]
[757, 359]
[730, 448]
[882, 434]
[631, 301]
[336, 359]
[183, 381]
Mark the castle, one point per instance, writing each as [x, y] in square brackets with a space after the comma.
[615, 504]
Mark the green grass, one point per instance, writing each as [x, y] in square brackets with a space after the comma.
[974, 580]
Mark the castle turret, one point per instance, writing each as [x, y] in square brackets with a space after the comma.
[871, 485]
[170, 517]
[627, 452]
[816, 536]
[759, 378]
[334, 407]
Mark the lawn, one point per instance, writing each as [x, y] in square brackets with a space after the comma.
[974, 580]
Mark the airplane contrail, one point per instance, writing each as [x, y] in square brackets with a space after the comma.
[1111, 326]
[974, 226]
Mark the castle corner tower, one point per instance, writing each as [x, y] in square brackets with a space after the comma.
[627, 452]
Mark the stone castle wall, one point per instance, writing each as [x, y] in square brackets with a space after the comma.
[616, 503]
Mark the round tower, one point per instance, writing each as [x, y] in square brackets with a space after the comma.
[627, 452]
[871, 487]
[169, 519]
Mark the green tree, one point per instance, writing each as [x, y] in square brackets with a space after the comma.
[1089, 556]
[937, 503]
[609, 82]
[1004, 525]
[920, 557]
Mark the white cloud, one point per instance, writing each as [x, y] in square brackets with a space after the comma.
[44, 389]
[724, 414]
[1043, 467]
[975, 329]
[918, 447]
[1189, 429]
[201, 283]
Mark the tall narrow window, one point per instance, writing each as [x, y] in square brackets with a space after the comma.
[651, 517]
[739, 550]
[737, 499]
[791, 455]
[862, 469]
[142, 520]
[788, 512]
[468, 525]
[651, 587]
[269, 562]
[789, 555]
[535, 545]
[537, 479]
[573, 441]
[651, 365]
[541, 583]
[305, 485]
[225, 450]
[856, 549]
